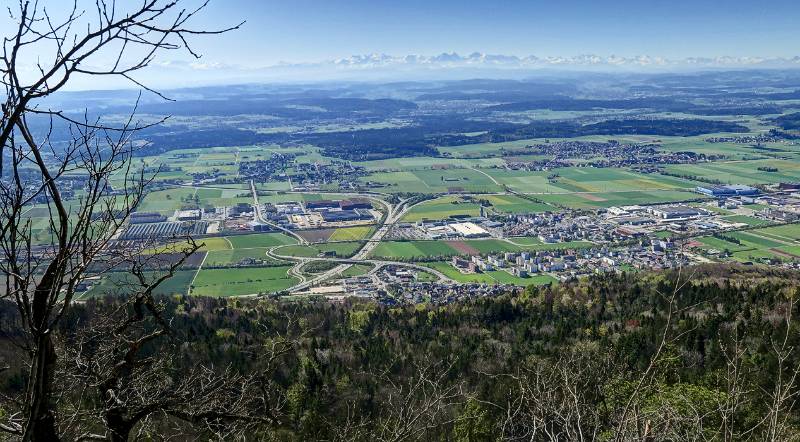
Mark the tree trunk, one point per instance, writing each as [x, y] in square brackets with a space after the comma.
[119, 428]
[41, 423]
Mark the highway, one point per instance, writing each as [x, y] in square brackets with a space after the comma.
[393, 214]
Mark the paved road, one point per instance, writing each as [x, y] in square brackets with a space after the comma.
[394, 213]
[346, 263]
[260, 217]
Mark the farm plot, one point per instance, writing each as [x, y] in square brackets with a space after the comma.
[122, 283]
[341, 249]
[515, 204]
[228, 258]
[742, 172]
[442, 208]
[598, 200]
[786, 232]
[242, 281]
[493, 277]
[758, 245]
[435, 181]
[525, 182]
[414, 250]
[351, 233]
[427, 163]
[259, 240]
[590, 179]
[316, 235]
[749, 220]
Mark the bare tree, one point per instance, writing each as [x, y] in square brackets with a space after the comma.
[109, 40]
[785, 393]
[133, 381]
[424, 402]
[556, 398]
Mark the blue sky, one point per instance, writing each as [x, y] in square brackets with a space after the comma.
[308, 31]
[313, 30]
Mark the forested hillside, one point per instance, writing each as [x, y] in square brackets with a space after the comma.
[708, 354]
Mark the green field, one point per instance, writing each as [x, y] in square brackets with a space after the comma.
[351, 233]
[415, 250]
[342, 249]
[260, 240]
[122, 283]
[770, 243]
[749, 220]
[168, 201]
[602, 200]
[786, 232]
[585, 179]
[241, 281]
[224, 258]
[515, 204]
[356, 270]
[493, 277]
[434, 181]
[442, 208]
[741, 172]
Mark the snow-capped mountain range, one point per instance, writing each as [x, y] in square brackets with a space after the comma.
[446, 66]
[477, 59]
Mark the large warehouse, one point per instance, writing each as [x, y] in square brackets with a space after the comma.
[729, 190]
[469, 230]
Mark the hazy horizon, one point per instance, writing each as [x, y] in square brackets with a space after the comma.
[314, 40]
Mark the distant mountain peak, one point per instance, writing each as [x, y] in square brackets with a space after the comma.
[477, 59]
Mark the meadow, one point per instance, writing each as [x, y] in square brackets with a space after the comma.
[260, 240]
[241, 281]
[342, 249]
[781, 243]
[119, 283]
[622, 198]
[492, 277]
[742, 172]
[351, 233]
[434, 181]
[422, 250]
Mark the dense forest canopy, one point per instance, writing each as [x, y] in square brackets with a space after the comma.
[665, 356]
